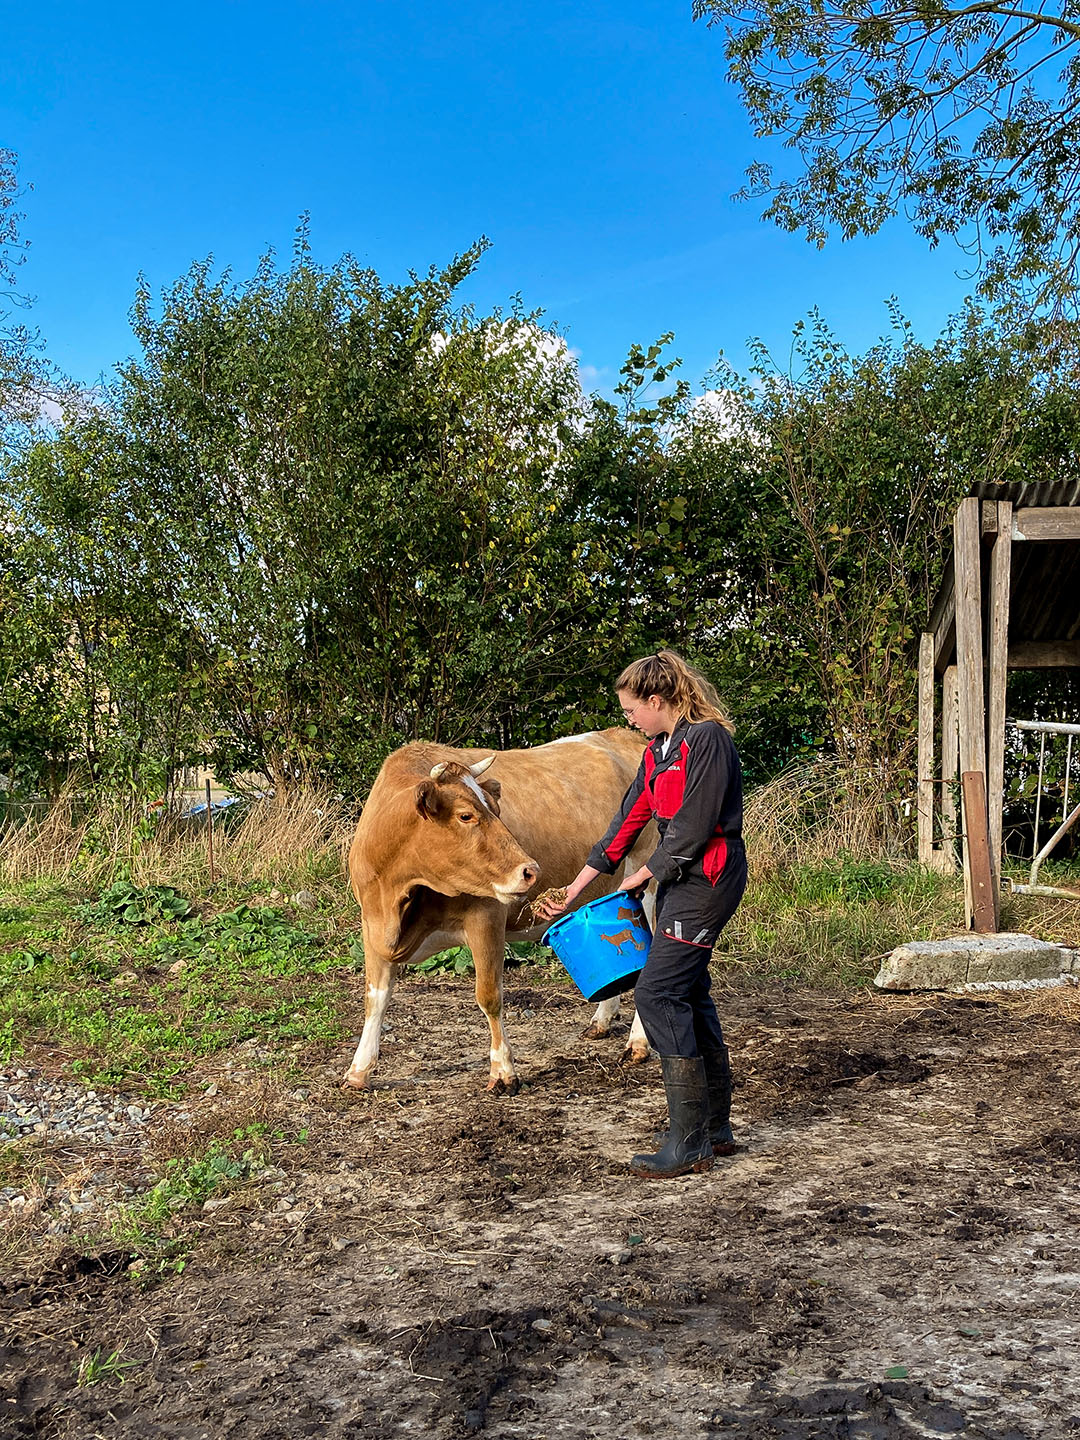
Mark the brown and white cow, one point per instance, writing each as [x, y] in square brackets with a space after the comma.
[450, 846]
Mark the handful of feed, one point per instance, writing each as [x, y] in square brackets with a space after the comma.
[536, 905]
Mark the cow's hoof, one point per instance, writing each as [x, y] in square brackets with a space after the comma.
[498, 1086]
[594, 1032]
[634, 1054]
[349, 1081]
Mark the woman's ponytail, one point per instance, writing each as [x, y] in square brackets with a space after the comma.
[678, 683]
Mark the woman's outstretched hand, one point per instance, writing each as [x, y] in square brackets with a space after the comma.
[547, 907]
[635, 884]
[550, 908]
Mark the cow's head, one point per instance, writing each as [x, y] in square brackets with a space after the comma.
[435, 841]
[471, 851]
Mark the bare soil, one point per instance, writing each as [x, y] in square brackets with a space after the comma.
[894, 1252]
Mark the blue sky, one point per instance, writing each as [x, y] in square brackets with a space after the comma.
[598, 146]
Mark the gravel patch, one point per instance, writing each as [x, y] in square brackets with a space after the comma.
[62, 1110]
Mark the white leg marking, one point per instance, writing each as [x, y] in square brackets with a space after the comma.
[367, 1052]
[606, 1011]
[637, 1037]
[502, 1060]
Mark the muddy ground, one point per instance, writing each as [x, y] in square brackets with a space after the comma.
[895, 1252]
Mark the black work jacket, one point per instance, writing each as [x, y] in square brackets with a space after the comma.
[694, 794]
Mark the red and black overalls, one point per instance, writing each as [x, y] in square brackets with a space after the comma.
[694, 793]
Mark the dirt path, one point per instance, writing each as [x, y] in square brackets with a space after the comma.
[895, 1253]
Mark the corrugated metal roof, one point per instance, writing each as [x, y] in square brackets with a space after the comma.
[1022, 494]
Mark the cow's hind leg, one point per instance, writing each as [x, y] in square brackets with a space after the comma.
[379, 980]
[637, 1045]
[485, 933]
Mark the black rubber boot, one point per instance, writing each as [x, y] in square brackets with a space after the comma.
[718, 1082]
[687, 1146]
[718, 1078]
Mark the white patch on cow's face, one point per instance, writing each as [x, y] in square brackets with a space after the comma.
[475, 788]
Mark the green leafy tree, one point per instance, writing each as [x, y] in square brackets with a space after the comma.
[966, 118]
[351, 495]
[837, 494]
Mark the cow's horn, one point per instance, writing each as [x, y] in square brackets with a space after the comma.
[436, 770]
[481, 765]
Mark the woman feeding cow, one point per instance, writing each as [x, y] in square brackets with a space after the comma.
[690, 782]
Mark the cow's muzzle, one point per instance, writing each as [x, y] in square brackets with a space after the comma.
[520, 881]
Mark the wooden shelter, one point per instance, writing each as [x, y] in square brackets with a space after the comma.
[1009, 600]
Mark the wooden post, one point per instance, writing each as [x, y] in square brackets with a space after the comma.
[925, 804]
[950, 766]
[977, 854]
[998, 661]
[210, 832]
[967, 531]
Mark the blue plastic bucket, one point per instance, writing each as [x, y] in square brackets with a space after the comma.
[603, 945]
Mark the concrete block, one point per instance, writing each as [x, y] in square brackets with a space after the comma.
[971, 959]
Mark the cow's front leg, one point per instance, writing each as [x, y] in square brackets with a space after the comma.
[600, 1025]
[379, 980]
[485, 934]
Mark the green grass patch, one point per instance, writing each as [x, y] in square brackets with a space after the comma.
[830, 925]
[458, 959]
[94, 1368]
[134, 1000]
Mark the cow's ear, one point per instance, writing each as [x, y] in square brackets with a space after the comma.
[493, 790]
[428, 800]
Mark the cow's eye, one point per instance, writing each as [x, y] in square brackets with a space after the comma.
[466, 816]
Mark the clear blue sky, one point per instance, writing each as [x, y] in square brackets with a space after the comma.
[598, 146]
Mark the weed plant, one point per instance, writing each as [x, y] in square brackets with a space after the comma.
[186, 1185]
[93, 1369]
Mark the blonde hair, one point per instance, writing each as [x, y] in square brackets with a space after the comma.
[678, 683]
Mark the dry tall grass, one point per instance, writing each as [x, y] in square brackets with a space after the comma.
[48, 843]
[806, 815]
[814, 811]
[296, 835]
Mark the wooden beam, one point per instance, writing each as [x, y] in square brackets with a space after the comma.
[945, 635]
[942, 613]
[950, 766]
[977, 852]
[997, 661]
[969, 650]
[1044, 654]
[925, 804]
[969, 664]
[1047, 522]
[989, 518]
